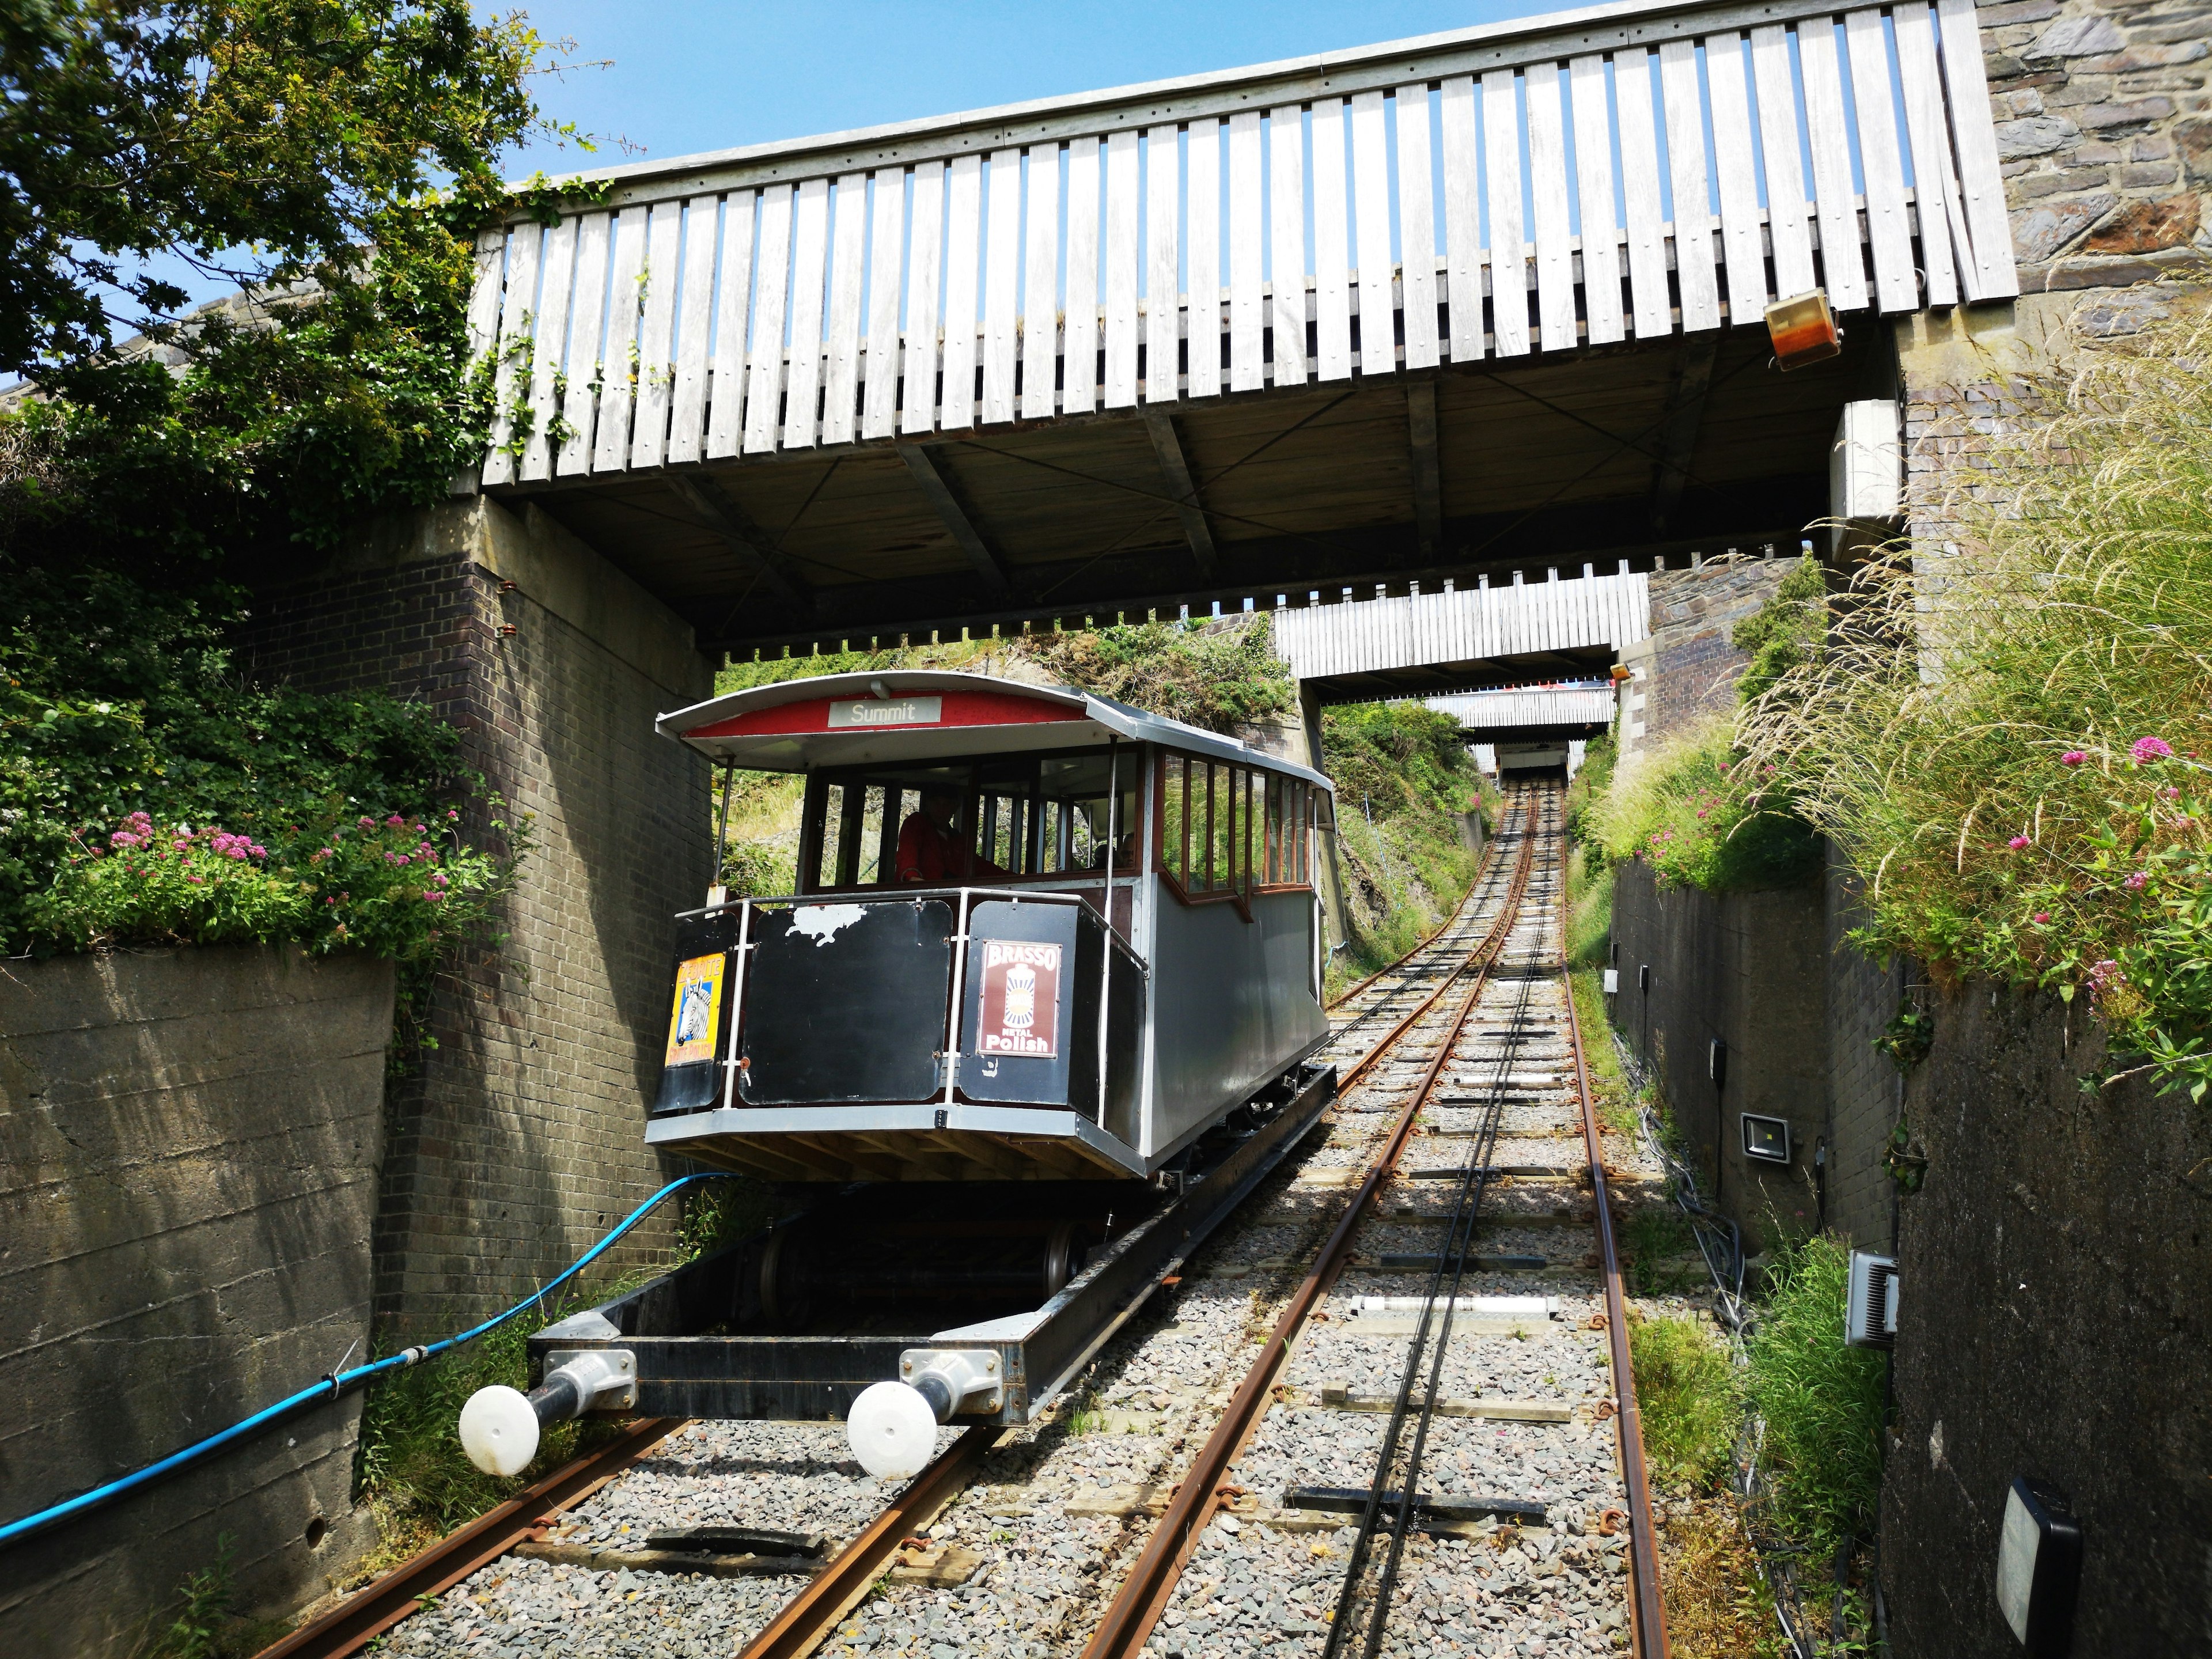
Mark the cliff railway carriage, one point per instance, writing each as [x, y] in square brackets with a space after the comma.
[1039, 1014]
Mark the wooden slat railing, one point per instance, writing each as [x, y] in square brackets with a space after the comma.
[1462, 624]
[1614, 173]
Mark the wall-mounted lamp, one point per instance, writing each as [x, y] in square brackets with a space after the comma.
[1765, 1140]
[1870, 1305]
[1716, 1063]
[1643, 976]
[2038, 1567]
[1611, 981]
[1803, 330]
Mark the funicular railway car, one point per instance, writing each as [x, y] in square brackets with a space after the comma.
[1039, 1013]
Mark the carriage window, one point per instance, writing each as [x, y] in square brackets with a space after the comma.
[1175, 818]
[1272, 857]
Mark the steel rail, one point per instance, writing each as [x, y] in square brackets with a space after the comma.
[1442, 927]
[1458, 1246]
[1647, 1606]
[360, 1619]
[1361, 1066]
[808, 1617]
[1144, 1595]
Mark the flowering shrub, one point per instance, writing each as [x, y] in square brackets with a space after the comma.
[2004, 737]
[394, 887]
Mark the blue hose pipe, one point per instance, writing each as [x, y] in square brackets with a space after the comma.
[327, 1388]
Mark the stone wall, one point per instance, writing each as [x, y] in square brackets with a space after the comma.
[189, 1143]
[1687, 669]
[2103, 136]
[2055, 1314]
[1864, 1089]
[521, 1138]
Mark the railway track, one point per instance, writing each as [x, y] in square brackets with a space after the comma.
[1422, 1299]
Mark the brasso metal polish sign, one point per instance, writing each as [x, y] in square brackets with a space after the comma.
[881, 711]
[1020, 1011]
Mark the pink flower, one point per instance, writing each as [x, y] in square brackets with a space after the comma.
[452, 815]
[395, 821]
[2146, 750]
[1701, 812]
[368, 823]
[2073, 758]
[440, 879]
[2169, 793]
[2135, 883]
[2017, 842]
[2043, 915]
[196, 880]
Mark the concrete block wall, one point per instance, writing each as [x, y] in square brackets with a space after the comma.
[189, 1144]
[1746, 969]
[520, 1138]
[1864, 1087]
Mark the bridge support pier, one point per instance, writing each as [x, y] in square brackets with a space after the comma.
[520, 1138]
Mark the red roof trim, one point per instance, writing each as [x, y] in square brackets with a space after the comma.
[956, 709]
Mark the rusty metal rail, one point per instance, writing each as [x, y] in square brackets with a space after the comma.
[1647, 1608]
[1151, 1582]
[359, 1619]
[812, 1614]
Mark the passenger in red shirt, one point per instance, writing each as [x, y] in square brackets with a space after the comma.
[930, 851]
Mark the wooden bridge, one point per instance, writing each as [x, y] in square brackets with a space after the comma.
[1469, 301]
[1530, 714]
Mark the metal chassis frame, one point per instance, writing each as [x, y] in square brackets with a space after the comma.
[802, 1378]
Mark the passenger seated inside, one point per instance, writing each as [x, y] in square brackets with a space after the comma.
[931, 851]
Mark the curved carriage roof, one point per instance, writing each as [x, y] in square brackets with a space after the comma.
[906, 715]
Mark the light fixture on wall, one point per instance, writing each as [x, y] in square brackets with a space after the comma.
[1765, 1140]
[1803, 330]
[1870, 1304]
[1643, 976]
[1611, 981]
[1716, 1063]
[2038, 1567]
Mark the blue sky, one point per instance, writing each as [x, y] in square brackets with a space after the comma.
[689, 75]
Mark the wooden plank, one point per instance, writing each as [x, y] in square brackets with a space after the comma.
[1286, 226]
[485, 293]
[887, 235]
[694, 328]
[656, 334]
[841, 380]
[764, 386]
[1895, 286]
[1981, 186]
[1332, 243]
[1202, 322]
[1416, 226]
[732, 308]
[1548, 202]
[1779, 140]
[1001, 284]
[509, 380]
[1944, 243]
[1159, 426]
[1600, 216]
[1736, 163]
[1371, 211]
[1079, 359]
[1163, 304]
[1428, 487]
[611, 443]
[981, 555]
[551, 338]
[1694, 274]
[1509, 263]
[1462, 220]
[1247, 318]
[1843, 265]
[810, 270]
[964, 257]
[1120, 250]
[1041, 286]
[925, 261]
[1643, 207]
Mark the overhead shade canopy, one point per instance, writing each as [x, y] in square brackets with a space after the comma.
[905, 715]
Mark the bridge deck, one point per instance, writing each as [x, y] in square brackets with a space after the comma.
[1185, 338]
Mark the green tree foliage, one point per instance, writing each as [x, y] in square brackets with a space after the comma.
[1785, 633]
[337, 155]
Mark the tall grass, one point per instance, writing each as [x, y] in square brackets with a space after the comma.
[1696, 813]
[2004, 733]
[1687, 1390]
[1822, 1401]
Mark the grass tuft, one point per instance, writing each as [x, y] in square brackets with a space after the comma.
[1686, 1390]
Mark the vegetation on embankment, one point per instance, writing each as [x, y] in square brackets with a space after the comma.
[2008, 735]
[335, 157]
[1406, 782]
